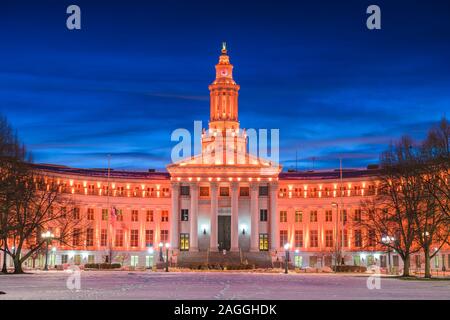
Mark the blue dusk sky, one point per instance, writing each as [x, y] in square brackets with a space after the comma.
[137, 70]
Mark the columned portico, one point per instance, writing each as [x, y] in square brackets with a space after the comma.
[274, 240]
[254, 207]
[213, 242]
[234, 217]
[193, 217]
[174, 216]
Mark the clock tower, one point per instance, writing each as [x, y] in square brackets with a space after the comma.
[224, 95]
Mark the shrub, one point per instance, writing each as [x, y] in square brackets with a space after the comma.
[349, 268]
[102, 265]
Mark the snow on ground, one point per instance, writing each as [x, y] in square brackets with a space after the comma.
[214, 285]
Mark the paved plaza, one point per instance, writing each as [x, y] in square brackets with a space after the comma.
[212, 286]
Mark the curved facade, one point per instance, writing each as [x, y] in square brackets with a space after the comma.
[222, 202]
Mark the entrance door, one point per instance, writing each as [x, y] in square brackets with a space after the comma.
[224, 232]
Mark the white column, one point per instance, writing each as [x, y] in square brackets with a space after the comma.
[213, 242]
[234, 217]
[274, 237]
[193, 217]
[254, 208]
[174, 217]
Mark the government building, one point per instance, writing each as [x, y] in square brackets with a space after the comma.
[224, 205]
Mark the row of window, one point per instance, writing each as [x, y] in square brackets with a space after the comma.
[329, 238]
[313, 216]
[118, 215]
[326, 192]
[104, 190]
[224, 191]
[119, 237]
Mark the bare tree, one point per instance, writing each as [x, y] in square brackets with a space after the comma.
[11, 153]
[433, 220]
[39, 206]
[391, 214]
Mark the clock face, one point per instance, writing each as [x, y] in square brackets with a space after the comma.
[224, 73]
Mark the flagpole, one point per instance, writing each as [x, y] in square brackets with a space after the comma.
[342, 210]
[109, 210]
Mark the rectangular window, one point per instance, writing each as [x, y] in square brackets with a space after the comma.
[119, 238]
[89, 237]
[76, 237]
[372, 238]
[63, 212]
[313, 239]
[343, 240]
[76, 213]
[383, 260]
[204, 191]
[103, 238]
[184, 215]
[119, 215]
[298, 238]
[149, 216]
[164, 235]
[313, 216]
[224, 191]
[263, 191]
[244, 191]
[417, 259]
[329, 238]
[358, 238]
[148, 261]
[263, 242]
[395, 260]
[91, 258]
[283, 216]
[134, 215]
[344, 215]
[283, 237]
[164, 216]
[104, 214]
[134, 238]
[64, 258]
[184, 241]
[149, 238]
[329, 215]
[90, 214]
[134, 261]
[184, 190]
[263, 215]
[357, 216]
[298, 216]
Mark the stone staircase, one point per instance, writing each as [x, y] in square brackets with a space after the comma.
[204, 258]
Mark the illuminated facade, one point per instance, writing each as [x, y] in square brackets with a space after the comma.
[223, 200]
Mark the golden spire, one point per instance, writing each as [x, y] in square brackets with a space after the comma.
[224, 47]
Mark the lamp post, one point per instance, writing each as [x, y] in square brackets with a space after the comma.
[387, 240]
[338, 251]
[167, 256]
[160, 251]
[286, 250]
[47, 236]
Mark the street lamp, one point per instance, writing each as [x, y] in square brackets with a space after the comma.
[160, 251]
[167, 256]
[47, 236]
[286, 250]
[387, 240]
